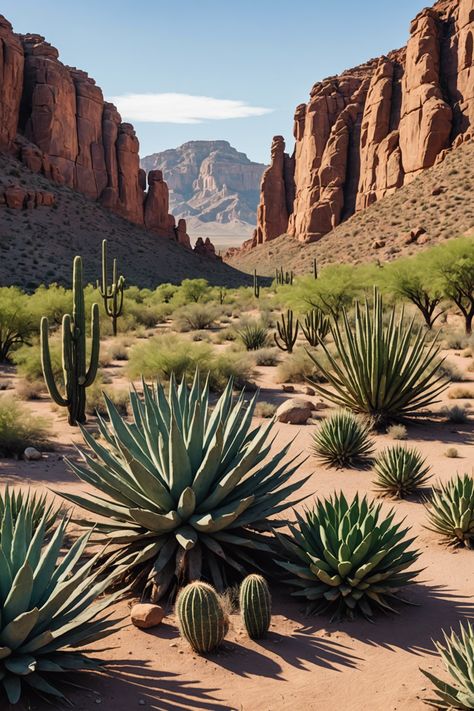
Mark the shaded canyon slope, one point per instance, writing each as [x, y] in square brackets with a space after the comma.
[373, 129]
[56, 125]
[212, 185]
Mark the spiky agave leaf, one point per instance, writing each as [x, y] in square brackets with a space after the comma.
[347, 557]
[48, 608]
[187, 491]
[36, 507]
[388, 372]
[253, 336]
[451, 510]
[343, 440]
[400, 471]
[458, 657]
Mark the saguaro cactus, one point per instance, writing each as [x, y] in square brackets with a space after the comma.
[201, 618]
[315, 268]
[287, 331]
[316, 327]
[255, 605]
[256, 286]
[112, 296]
[76, 377]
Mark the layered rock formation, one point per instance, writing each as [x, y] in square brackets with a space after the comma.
[210, 181]
[367, 132]
[55, 120]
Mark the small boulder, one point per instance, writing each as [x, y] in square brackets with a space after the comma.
[146, 615]
[31, 454]
[288, 388]
[423, 239]
[378, 244]
[295, 411]
[309, 391]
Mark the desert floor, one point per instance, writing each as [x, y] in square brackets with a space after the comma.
[306, 662]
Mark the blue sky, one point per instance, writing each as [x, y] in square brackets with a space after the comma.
[253, 61]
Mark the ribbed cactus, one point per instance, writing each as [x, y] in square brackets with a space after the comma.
[255, 605]
[111, 296]
[315, 268]
[316, 327]
[256, 286]
[287, 331]
[201, 617]
[76, 377]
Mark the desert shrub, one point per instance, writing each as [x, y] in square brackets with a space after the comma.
[451, 453]
[30, 389]
[267, 357]
[194, 317]
[225, 335]
[233, 365]
[397, 431]
[457, 655]
[400, 471]
[198, 336]
[17, 322]
[343, 440]
[96, 403]
[118, 350]
[253, 335]
[450, 510]
[28, 361]
[142, 314]
[265, 409]
[455, 340]
[297, 368]
[457, 414]
[450, 371]
[165, 292]
[192, 291]
[347, 557]
[19, 429]
[385, 371]
[52, 301]
[460, 394]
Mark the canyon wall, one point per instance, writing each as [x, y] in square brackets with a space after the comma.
[54, 119]
[365, 133]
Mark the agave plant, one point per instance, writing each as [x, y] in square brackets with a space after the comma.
[253, 336]
[188, 491]
[343, 440]
[36, 507]
[451, 510]
[347, 557]
[400, 471]
[388, 372]
[47, 608]
[458, 657]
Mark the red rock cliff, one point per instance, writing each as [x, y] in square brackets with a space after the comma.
[55, 120]
[372, 129]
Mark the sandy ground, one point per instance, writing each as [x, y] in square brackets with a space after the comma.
[306, 662]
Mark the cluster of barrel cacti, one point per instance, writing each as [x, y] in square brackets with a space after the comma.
[202, 618]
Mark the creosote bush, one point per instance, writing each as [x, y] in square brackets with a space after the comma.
[19, 429]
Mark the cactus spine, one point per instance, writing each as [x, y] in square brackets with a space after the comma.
[255, 605]
[112, 296]
[316, 327]
[287, 332]
[76, 377]
[201, 618]
[256, 286]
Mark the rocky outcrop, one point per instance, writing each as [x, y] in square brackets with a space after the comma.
[55, 120]
[373, 129]
[209, 181]
[205, 248]
[17, 198]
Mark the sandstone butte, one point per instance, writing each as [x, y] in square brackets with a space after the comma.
[54, 119]
[365, 133]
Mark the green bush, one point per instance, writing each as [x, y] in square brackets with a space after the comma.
[298, 368]
[19, 429]
[267, 357]
[17, 322]
[194, 317]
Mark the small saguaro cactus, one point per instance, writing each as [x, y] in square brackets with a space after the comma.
[256, 285]
[255, 605]
[112, 296]
[76, 377]
[315, 268]
[288, 332]
[201, 617]
[316, 327]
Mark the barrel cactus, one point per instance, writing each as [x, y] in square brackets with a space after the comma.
[48, 608]
[347, 557]
[451, 511]
[201, 617]
[186, 492]
[255, 605]
[457, 654]
[387, 371]
[400, 471]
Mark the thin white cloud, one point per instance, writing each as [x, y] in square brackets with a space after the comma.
[182, 108]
